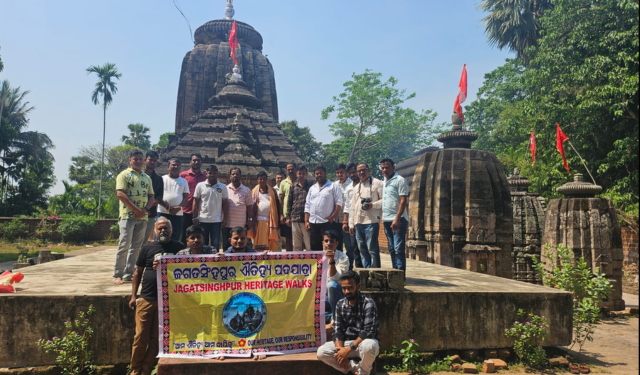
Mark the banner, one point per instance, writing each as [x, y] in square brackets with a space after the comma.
[234, 304]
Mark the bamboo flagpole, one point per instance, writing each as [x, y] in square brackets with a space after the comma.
[583, 163]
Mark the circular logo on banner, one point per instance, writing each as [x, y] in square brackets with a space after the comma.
[244, 315]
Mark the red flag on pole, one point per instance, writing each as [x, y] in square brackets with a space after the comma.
[233, 42]
[462, 95]
[560, 138]
[532, 143]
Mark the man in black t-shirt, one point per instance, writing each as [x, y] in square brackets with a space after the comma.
[145, 342]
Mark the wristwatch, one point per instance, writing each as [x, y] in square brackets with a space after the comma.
[332, 262]
[353, 347]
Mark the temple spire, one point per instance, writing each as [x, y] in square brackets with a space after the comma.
[228, 10]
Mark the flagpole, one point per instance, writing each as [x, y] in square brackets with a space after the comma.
[582, 160]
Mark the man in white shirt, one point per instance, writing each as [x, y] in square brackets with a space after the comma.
[323, 204]
[279, 178]
[176, 194]
[343, 181]
[364, 216]
[350, 243]
[209, 205]
[338, 266]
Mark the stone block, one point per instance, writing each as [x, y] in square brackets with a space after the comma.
[500, 364]
[504, 353]
[57, 256]
[44, 256]
[632, 310]
[488, 366]
[490, 354]
[20, 265]
[469, 368]
[455, 367]
[469, 355]
[559, 362]
[381, 279]
[455, 359]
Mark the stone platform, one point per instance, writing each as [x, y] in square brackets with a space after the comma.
[441, 308]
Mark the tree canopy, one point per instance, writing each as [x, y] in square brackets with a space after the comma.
[371, 122]
[584, 75]
[138, 137]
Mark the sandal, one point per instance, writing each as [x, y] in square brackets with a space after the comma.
[575, 369]
[584, 369]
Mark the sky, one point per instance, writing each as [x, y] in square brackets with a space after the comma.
[314, 47]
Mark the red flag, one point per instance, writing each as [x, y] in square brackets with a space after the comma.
[462, 95]
[532, 143]
[560, 138]
[233, 42]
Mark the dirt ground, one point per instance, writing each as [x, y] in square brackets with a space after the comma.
[614, 350]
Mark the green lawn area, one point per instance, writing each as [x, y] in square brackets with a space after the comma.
[9, 251]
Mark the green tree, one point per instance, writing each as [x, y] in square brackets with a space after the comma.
[105, 88]
[1, 66]
[84, 170]
[163, 141]
[514, 24]
[21, 151]
[371, 123]
[583, 75]
[138, 137]
[308, 148]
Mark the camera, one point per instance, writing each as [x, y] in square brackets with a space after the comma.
[363, 202]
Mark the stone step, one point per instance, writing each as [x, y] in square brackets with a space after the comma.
[298, 364]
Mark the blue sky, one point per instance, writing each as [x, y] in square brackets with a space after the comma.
[314, 47]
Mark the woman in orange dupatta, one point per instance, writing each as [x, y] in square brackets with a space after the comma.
[266, 215]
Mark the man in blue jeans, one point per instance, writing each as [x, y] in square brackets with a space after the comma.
[338, 266]
[394, 213]
[364, 216]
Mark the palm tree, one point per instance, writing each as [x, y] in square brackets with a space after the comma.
[514, 24]
[15, 142]
[138, 137]
[106, 88]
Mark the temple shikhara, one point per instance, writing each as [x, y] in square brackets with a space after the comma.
[229, 114]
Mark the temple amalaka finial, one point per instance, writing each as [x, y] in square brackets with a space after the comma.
[228, 10]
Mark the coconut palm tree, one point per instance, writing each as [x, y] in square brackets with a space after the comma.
[105, 87]
[513, 24]
[16, 143]
[138, 137]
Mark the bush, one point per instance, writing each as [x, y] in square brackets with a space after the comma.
[529, 335]
[13, 230]
[76, 228]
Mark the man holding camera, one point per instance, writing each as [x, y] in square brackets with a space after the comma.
[364, 215]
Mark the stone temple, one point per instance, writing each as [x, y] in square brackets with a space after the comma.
[230, 119]
[460, 210]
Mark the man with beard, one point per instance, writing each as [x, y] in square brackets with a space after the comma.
[145, 342]
[283, 193]
[356, 332]
[150, 164]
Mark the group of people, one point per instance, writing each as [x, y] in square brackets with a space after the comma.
[195, 209]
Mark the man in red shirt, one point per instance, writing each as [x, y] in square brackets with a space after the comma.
[193, 176]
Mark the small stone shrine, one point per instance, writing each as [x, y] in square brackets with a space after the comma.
[229, 113]
[589, 227]
[460, 207]
[528, 225]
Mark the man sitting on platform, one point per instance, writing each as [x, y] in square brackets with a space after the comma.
[239, 241]
[338, 266]
[355, 327]
[145, 342]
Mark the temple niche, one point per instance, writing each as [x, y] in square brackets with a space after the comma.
[460, 211]
[229, 114]
[589, 227]
[528, 226]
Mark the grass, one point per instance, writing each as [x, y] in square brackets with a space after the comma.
[9, 251]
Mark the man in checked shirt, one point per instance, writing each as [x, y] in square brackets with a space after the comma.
[355, 327]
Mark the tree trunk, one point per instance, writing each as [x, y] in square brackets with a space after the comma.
[104, 132]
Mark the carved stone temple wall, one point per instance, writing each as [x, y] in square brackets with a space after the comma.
[460, 207]
[230, 119]
[528, 227]
[589, 227]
